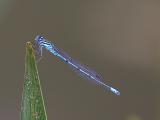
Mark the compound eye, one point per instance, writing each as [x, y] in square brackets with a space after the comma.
[41, 37]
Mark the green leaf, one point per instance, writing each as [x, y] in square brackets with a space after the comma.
[32, 107]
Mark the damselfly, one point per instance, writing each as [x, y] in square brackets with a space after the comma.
[40, 42]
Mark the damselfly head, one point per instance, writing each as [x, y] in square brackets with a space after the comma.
[39, 39]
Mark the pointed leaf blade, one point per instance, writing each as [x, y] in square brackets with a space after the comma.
[32, 107]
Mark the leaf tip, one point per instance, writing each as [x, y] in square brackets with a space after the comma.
[29, 45]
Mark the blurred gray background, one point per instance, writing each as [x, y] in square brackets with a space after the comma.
[120, 39]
